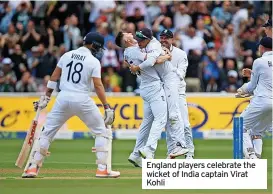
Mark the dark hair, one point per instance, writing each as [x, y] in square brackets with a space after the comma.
[118, 40]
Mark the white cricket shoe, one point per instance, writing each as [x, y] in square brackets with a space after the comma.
[145, 153]
[105, 174]
[178, 151]
[253, 156]
[189, 157]
[31, 172]
[135, 160]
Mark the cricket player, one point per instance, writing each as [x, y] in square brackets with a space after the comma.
[180, 63]
[152, 92]
[76, 69]
[153, 48]
[258, 115]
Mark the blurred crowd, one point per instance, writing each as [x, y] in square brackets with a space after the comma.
[219, 37]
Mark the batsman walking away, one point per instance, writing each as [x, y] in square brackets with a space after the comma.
[76, 69]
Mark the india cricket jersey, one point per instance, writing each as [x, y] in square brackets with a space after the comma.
[78, 67]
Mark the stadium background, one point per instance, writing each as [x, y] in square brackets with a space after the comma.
[220, 38]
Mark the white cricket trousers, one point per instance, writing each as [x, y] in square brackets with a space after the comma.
[68, 105]
[154, 120]
[175, 125]
[258, 116]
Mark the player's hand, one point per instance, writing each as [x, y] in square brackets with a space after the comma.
[243, 90]
[246, 72]
[134, 69]
[237, 95]
[42, 103]
[109, 115]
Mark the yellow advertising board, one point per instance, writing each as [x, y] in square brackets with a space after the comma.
[205, 112]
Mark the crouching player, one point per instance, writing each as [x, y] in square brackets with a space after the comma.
[75, 70]
[258, 115]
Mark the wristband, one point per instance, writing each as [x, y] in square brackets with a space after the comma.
[106, 106]
[51, 84]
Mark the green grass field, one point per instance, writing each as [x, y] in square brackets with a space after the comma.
[71, 168]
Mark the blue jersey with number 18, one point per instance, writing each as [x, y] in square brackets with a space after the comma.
[78, 67]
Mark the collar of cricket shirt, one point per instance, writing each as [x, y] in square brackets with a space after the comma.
[171, 48]
[268, 53]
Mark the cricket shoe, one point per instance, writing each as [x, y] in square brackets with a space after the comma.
[189, 157]
[169, 157]
[178, 151]
[105, 174]
[31, 172]
[145, 153]
[135, 160]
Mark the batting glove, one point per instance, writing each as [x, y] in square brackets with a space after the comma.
[42, 103]
[109, 115]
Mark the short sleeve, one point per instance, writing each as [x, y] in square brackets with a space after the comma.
[96, 69]
[60, 63]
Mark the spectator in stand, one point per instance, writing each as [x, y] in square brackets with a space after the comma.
[19, 61]
[115, 79]
[26, 84]
[211, 71]
[222, 14]
[137, 17]
[72, 34]
[190, 41]
[193, 72]
[57, 33]
[45, 64]
[230, 44]
[22, 14]
[232, 83]
[7, 76]
[6, 18]
[181, 18]
[153, 11]
[9, 40]
[109, 57]
[202, 32]
[107, 84]
[30, 38]
[105, 31]
[161, 23]
[249, 44]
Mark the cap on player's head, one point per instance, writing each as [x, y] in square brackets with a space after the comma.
[144, 34]
[266, 42]
[268, 23]
[118, 40]
[95, 39]
[166, 33]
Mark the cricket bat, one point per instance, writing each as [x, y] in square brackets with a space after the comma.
[109, 158]
[28, 143]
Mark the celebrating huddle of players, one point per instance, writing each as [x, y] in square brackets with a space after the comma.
[161, 68]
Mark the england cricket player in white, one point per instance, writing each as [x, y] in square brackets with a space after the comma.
[151, 90]
[153, 48]
[180, 63]
[75, 70]
[258, 115]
